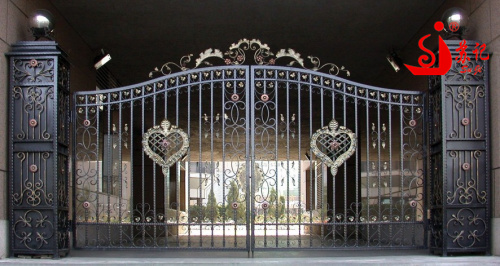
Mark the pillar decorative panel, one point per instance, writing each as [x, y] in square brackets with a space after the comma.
[459, 153]
[38, 150]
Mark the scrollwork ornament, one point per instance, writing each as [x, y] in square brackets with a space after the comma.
[33, 70]
[33, 229]
[466, 228]
[241, 52]
[338, 142]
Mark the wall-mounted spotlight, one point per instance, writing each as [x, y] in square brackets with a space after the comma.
[394, 60]
[41, 24]
[101, 59]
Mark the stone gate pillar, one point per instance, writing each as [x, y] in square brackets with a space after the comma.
[38, 150]
[459, 141]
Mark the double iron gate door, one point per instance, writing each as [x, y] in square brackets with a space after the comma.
[249, 157]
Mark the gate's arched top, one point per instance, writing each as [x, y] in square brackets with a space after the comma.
[248, 52]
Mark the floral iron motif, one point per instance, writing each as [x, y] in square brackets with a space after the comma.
[333, 145]
[237, 55]
[165, 144]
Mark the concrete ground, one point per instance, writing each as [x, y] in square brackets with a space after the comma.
[288, 258]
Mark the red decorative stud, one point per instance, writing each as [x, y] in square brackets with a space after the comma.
[465, 121]
[264, 97]
[165, 143]
[413, 123]
[86, 123]
[334, 145]
[33, 123]
[33, 168]
[86, 205]
[33, 63]
[235, 97]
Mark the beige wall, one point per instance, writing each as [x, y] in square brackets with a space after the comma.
[13, 28]
[485, 26]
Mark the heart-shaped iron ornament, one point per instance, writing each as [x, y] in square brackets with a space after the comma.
[333, 145]
[165, 144]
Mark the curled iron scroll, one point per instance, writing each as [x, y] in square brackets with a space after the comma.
[333, 145]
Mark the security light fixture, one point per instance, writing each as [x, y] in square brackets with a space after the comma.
[394, 60]
[41, 24]
[102, 59]
[455, 22]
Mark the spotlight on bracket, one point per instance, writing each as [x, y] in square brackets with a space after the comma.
[102, 59]
[394, 60]
[41, 24]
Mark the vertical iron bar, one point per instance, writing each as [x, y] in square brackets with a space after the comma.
[312, 170]
[276, 152]
[143, 214]
[212, 212]
[287, 161]
[401, 157]
[324, 174]
[166, 183]
[200, 180]
[379, 176]
[120, 182]
[155, 243]
[109, 166]
[98, 187]
[223, 159]
[389, 144]
[367, 113]
[345, 169]
[357, 175]
[177, 172]
[187, 177]
[250, 161]
[132, 199]
[299, 135]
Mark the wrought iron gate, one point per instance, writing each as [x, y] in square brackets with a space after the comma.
[249, 157]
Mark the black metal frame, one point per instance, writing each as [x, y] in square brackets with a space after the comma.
[38, 150]
[460, 157]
